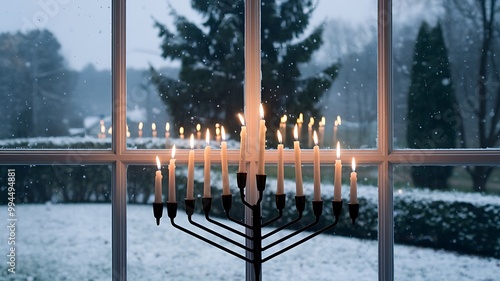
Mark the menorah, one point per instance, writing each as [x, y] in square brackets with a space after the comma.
[257, 237]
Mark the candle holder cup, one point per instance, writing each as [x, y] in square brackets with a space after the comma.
[255, 252]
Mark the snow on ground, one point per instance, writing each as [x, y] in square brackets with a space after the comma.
[73, 242]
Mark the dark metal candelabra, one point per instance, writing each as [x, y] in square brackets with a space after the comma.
[256, 248]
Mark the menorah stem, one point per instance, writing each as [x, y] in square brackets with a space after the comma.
[257, 240]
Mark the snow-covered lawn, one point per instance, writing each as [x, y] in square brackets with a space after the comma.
[73, 242]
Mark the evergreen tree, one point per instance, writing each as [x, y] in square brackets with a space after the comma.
[210, 85]
[432, 108]
[36, 83]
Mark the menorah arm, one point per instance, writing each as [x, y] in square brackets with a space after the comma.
[280, 205]
[207, 216]
[209, 241]
[290, 235]
[299, 242]
[273, 219]
[317, 210]
[300, 202]
[190, 219]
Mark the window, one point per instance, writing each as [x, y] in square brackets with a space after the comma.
[385, 156]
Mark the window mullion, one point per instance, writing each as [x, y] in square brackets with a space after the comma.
[119, 171]
[384, 85]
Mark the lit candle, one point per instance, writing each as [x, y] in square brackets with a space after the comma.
[140, 129]
[153, 128]
[281, 169]
[354, 184]
[223, 151]
[167, 132]
[243, 145]
[309, 132]
[298, 163]
[262, 142]
[171, 178]
[190, 183]
[198, 135]
[317, 179]
[103, 132]
[338, 177]
[206, 187]
[181, 132]
[322, 131]
[217, 132]
[158, 178]
[128, 132]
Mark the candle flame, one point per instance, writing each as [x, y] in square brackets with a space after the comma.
[315, 138]
[261, 109]
[103, 129]
[323, 120]
[191, 141]
[353, 165]
[223, 133]
[242, 120]
[217, 131]
[296, 132]
[173, 151]
[338, 150]
[280, 139]
[140, 125]
[301, 118]
[181, 130]
[285, 118]
[153, 126]
[311, 122]
[207, 137]
[167, 127]
[198, 127]
[158, 164]
[336, 123]
[339, 120]
[110, 130]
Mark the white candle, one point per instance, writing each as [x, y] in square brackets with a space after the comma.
[317, 179]
[158, 178]
[243, 145]
[190, 183]
[354, 184]
[262, 143]
[338, 177]
[281, 169]
[206, 187]
[223, 151]
[171, 178]
[298, 164]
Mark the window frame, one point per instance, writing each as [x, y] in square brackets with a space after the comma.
[385, 157]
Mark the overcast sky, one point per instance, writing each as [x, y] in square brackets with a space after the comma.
[83, 27]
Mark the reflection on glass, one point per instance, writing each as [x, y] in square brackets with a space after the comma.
[445, 80]
[192, 61]
[56, 214]
[448, 228]
[55, 65]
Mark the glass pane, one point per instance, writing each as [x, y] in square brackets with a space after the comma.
[446, 227]
[59, 220]
[181, 74]
[55, 66]
[446, 88]
[319, 71]
[170, 253]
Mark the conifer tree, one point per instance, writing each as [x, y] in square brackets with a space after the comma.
[210, 85]
[432, 107]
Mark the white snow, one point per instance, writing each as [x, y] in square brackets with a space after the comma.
[73, 242]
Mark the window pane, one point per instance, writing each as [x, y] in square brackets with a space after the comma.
[445, 79]
[448, 229]
[170, 253]
[60, 225]
[187, 76]
[320, 68]
[55, 71]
